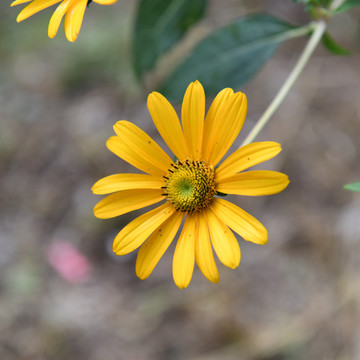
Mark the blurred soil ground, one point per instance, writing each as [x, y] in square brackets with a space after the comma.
[296, 298]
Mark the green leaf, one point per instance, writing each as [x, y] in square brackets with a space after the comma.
[230, 56]
[347, 5]
[159, 25]
[329, 42]
[353, 187]
[218, 193]
[312, 3]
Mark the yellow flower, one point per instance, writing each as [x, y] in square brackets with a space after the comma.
[189, 185]
[73, 10]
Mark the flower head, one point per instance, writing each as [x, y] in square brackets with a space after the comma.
[188, 186]
[73, 10]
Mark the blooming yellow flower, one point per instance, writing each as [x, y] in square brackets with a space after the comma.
[189, 185]
[73, 10]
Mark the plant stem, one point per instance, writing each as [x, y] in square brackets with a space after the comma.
[319, 29]
[335, 4]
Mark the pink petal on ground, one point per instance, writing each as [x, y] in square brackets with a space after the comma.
[68, 262]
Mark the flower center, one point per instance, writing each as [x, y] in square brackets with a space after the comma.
[190, 185]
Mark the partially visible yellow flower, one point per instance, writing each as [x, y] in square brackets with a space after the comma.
[73, 10]
[189, 185]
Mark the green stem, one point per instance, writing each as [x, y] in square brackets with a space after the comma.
[319, 29]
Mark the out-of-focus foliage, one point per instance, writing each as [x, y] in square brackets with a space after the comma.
[159, 25]
[322, 9]
[353, 187]
[231, 55]
[329, 42]
[315, 6]
[347, 5]
[324, 3]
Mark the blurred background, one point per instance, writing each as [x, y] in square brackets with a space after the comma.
[64, 295]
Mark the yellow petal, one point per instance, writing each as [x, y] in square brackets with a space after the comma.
[203, 251]
[105, 2]
[211, 126]
[249, 228]
[147, 150]
[246, 157]
[168, 124]
[136, 232]
[18, 2]
[225, 244]
[184, 256]
[119, 182]
[34, 7]
[231, 117]
[125, 201]
[127, 153]
[192, 116]
[73, 19]
[56, 18]
[155, 246]
[254, 183]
